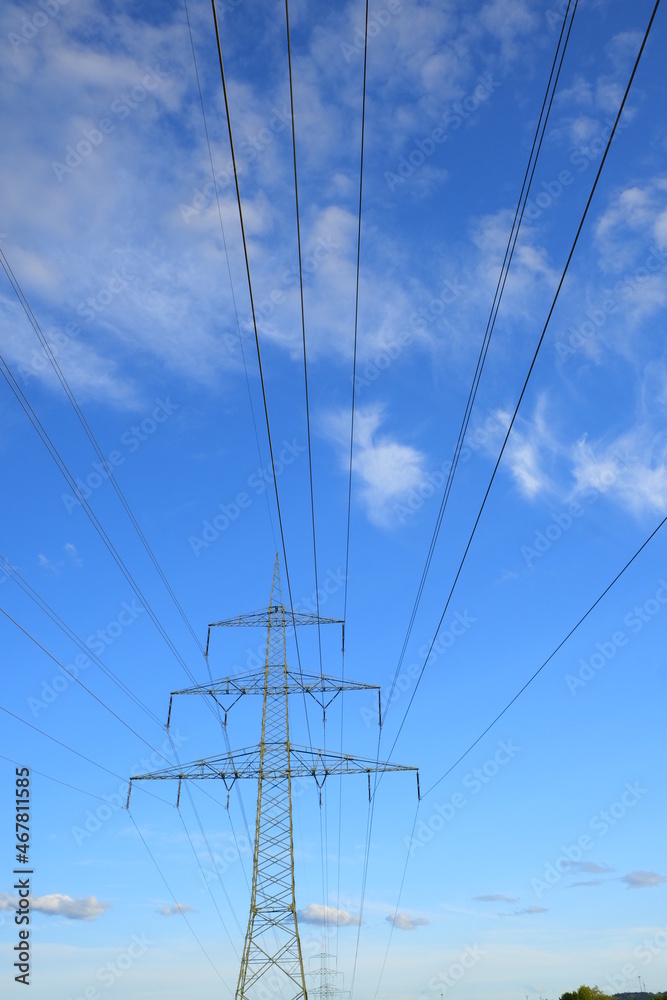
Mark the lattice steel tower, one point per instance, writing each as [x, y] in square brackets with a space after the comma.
[272, 941]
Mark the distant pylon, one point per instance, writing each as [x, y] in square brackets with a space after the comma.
[272, 942]
[324, 976]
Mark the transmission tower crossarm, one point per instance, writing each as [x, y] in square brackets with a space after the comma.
[255, 683]
[304, 762]
[261, 618]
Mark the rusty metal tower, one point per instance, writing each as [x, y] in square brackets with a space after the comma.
[272, 943]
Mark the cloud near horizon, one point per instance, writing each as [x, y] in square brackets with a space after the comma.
[496, 897]
[642, 880]
[404, 922]
[57, 904]
[170, 911]
[315, 913]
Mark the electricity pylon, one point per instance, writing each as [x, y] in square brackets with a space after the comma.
[325, 979]
[272, 940]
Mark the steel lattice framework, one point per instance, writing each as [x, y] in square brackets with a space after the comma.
[272, 943]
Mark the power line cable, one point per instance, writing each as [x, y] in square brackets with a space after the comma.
[64, 627]
[352, 411]
[560, 284]
[398, 903]
[258, 349]
[500, 714]
[20, 396]
[210, 891]
[303, 328]
[229, 270]
[548, 659]
[46, 347]
[325, 863]
[65, 746]
[49, 777]
[538, 138]
[532, 366]
[178, 905]
[75, 678]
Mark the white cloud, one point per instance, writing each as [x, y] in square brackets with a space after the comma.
[526, 911]
[633, 221]
[530, 274]
[170, 911]
[496, 897]
[385, 469]
[631, 470]
[642, 880]
[316, 913]
[589, 866]
[404, 922]
[56, 904]
[72, 554]
[531, 447]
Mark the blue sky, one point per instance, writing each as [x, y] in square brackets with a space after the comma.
[538, 863]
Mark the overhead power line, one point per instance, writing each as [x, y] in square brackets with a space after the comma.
[74, 677]
[548, 659]
[531, 368]
[46, 347]
[547, 101]
[20, 396]
[64, 627]
[512, 239]
[303, 328]
[257, 345]
[500, 714]
[349, 482]
[229, 270]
